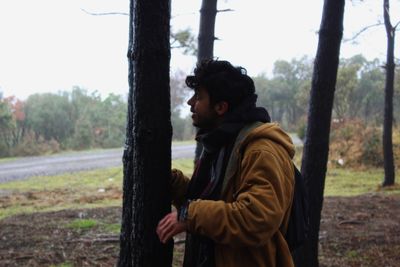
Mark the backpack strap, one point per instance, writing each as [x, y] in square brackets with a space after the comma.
[235, 157]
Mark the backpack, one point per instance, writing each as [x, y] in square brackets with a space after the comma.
[299, 222]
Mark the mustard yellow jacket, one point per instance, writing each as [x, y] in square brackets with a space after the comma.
[249, 223]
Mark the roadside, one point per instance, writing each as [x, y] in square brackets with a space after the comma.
[68, 162]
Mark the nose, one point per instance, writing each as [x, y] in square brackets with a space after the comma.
[190, 101]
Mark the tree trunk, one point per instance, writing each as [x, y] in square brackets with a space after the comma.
[316, 146]
[388, 161]
[208, 13]
[147, 153]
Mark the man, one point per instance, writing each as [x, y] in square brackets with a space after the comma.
[236, 206]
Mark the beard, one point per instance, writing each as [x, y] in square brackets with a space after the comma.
[205, 121]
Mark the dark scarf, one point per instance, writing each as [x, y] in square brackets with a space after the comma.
[209, 171]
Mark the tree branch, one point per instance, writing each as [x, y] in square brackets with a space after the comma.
[225, 10]
[105, 14]
[395, 26]
[362, 31]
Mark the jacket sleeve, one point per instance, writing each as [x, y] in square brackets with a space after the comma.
[179, 184]
[263, 199]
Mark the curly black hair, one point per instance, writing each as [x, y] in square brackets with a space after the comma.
[223, 82]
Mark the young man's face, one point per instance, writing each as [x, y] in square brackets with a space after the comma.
[204, 115]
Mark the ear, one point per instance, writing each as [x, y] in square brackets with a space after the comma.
[221, 107]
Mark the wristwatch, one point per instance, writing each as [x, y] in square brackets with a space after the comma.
[183, 211]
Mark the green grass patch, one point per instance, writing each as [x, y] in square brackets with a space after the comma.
[82, 224]
[185, 165]
[344, 182]
[113, 228]
[88, 179]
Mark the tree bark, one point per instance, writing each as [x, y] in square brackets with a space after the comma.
[147, 153]
[388, 161]
[316, 146]
[208, 13]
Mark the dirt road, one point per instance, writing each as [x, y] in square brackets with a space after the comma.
[70, 162]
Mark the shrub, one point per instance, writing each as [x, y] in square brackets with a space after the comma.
[32, 145]
[357, 145]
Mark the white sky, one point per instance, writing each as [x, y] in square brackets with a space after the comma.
[52, 45]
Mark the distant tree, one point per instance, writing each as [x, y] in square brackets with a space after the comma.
[285, 95]
[347, 100]
[17, 108]
[147, 154]
[111, 130]
[179, 95]
[316, 146]
[50, 116]
[370, 86]
[179, 91]
[388, 160]
[185, 40]
[6, 127]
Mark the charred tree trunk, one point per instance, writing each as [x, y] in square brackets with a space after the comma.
[316, 146]
[388, 161]
[147, 154]
[208, 13]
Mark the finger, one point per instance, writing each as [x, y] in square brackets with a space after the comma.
[164, 223]
[165, 232]
[163, 220]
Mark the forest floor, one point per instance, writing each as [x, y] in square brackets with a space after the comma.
[355, 231]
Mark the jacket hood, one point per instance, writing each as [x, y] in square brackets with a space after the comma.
[273, 132]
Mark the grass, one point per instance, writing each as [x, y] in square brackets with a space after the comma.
[82, 224]
[113, 228]
[87, 189]
[103, 188]
[344, 182]
[88, 179]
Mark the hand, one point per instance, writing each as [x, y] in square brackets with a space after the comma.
[169, 226]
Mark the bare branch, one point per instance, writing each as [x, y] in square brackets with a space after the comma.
[177, 46]
[225, 10]
[362, 31]
[395, 26]
[105, 14]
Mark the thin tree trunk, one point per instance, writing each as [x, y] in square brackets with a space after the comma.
[388, 160]
[147, 154]
[208, 13]
[316, 147]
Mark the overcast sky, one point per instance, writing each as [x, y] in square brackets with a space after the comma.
[52, 45]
